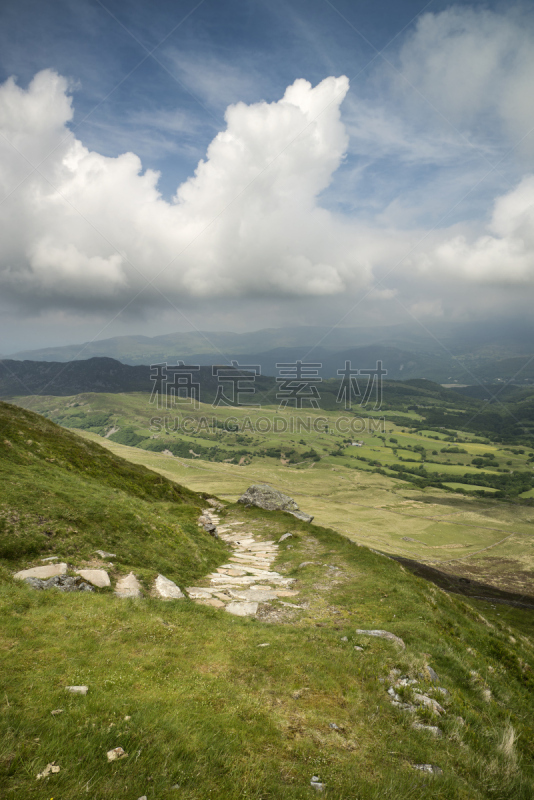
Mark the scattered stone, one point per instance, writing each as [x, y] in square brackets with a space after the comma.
[265, 644]
[428, 702]
[433, 729]
[242, 609]
[128, 586]
[126, 718]
[432, 675]
[333, 726]
[166, 589]
[60, 582]
[77, 689]
[287, 593]
[48, 571]
[264, 496]
[358, 648]
[431, 768]
[306, 564]
[142, 798]
[50, 769]
[116, 754]
[103, 554]
[384, 635]
[316, 784]
[50, 558]
[56, 711]
[98, 577]
[285, 536]
[344, 638]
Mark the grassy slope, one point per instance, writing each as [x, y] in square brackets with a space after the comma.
[67, 497]
[209, 710]
[217, 715]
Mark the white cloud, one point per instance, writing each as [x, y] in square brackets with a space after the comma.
[85, 227]
[503, 256]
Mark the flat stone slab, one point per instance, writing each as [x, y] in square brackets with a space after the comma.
[254, 595]
[77, 689]
[199, 593]
[98, 577]
[166, 589]
[242, 609]
[128, 586]
[212, 601]
[48, 571]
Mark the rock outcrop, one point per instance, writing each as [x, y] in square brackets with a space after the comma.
[264, 496]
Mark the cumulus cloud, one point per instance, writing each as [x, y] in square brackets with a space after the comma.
[503, 256]
[84, 228]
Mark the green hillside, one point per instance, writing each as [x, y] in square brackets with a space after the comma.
[68, 497]
[210, 705]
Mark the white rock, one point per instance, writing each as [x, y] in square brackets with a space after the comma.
[116, 753]
[98, 577]
[49, 571]
[128, 587]
[103, 554]
[166, 589]
[77, 689]
[242, 609]
[384, 635]
[50, 558]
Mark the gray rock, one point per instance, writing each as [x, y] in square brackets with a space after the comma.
[316, 784]
[62, 583]
[344, 639]
[431, 768]
[306, 564]
[128, 586]
[98, 577]
[166, 589]
[384, 635]
[242, 609]
[358, 648]
[433, 729]
[428, 702]
[50, 558]
[333, 726]
[264, 496]
[432, 675]
[77, 689]
[103, 554]
[48, 571]
[285, 536]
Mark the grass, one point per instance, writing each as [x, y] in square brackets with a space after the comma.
[214, 713]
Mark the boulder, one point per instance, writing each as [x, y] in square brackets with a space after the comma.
[48, 571]
[165, 589]
[98, 577]
[264, 496]
[128, 586]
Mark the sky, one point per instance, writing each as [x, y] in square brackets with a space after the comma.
[172, 166]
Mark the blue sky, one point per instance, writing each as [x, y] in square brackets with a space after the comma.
[427, 164]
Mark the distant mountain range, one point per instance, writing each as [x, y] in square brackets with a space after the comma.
[465, 353]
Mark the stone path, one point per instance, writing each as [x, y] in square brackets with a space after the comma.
[247, 579]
